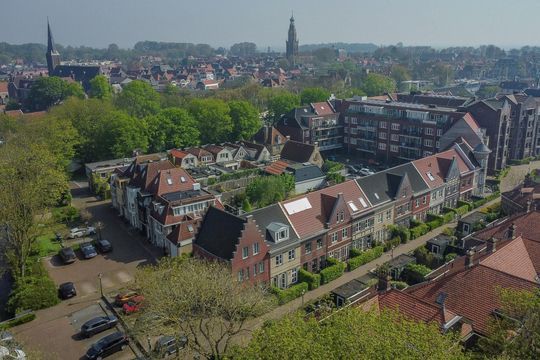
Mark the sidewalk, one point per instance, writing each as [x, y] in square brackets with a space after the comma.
[292, 306]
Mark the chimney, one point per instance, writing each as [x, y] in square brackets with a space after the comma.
[384, 283]
[512, 231]
[491, 245]
[469, 260]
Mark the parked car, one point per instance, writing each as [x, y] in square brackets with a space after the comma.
[365, 172]
[124, 297]
[104, 246]
[133, 305]
[98, 324]
[88, 250]
[80, 232]
[108, 345]
[6, 354]
[67, 255]
[67, 290]
[168, 345]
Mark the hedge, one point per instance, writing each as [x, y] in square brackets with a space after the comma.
[448, 216]
[289, 294]
[415, 273]
[365, 257]
[332, 272]
[419, 230]
[401, 231]
[394, 242]
[313, 280]
[462, 210]
[354, 252]
[469, 205]
[488, 198]
[23, 319]
[450, 257]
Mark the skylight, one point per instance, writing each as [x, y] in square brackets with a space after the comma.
[169, 181]
[190, 228]
[182, 179]
[376, 196]
[353, 207]
[363, 202]
[297, 206]
[430, 176]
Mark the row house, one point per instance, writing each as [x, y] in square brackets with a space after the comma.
[305, 231]
[317, 123]
[161, 201]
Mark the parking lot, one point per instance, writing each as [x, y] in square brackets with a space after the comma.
[54, 330]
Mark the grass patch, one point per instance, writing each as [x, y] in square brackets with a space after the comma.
[47, 245]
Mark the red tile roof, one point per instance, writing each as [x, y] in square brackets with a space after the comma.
[471, 122]
[323, 108]
[171, 180]
[276, 168]
[3, 86]
[184, 231]
[178, 154]
[527, 226]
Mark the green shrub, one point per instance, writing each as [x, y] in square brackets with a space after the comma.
[291, 293]
[450, 257]
[23, 319]
[469, 205]
[448, 231]
[332, 272]
[425, 257]
[33, 293]
[400, 285]
[462, 210]
[65, 214]
[434, 221]
[394, 242]
[448, 215]
[354, 252]
[365, 257]
[415, 273]
[313, 280]
[419, 230]
[401, 231]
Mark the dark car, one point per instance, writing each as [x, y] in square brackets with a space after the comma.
[67, 290]
[168, 345]
[108, 345]
[88, 250]
[67, 255]
[98, 324]
[104, 246]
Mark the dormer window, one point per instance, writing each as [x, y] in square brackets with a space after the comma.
[278, 231]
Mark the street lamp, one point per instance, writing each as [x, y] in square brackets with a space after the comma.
[392, 254]
[303, 292]
[100, 275]
[99, 227]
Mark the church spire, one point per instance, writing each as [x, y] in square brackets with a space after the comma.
[292, 42]
[53, 57]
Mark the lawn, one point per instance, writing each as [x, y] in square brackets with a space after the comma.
[47, 245]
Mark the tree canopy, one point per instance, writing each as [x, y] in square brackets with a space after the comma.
[280, 104]
[170, 128]
[100, 88]
[377, 84]
[138, 99]
[212, 115]
[48, 91]
[313, 95]
[269, 190]
[245, 119]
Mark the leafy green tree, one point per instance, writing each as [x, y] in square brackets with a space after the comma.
[377, 84]
[172, 127]
[400, 73]
[324, 55]
[269, 190]
[212, 115]
[280, 104]
[351, 334]
[200, 300]
[48, 91]
[313, 95]
[245, 119]
[487, 91]
[100, 88]
[138, 99]
[444, 74]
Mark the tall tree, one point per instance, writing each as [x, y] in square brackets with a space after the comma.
[198, 299]
[400, 73]
[213, 119]
[377, 84]
[100, 88]
[280, 104]
[138, 99]
[245, 118]
[313, 95]
[351, 334]
[48, 91]
[172, 127]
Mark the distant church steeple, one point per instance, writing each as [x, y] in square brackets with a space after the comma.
[53, 56]
[292, 43]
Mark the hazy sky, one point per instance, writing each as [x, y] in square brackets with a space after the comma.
[223, 22]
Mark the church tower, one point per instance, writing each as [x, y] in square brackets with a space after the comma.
[292, 43]
[53, 57]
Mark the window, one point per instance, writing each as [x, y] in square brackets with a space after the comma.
[307, 248]
[319, 243]
[354, 121]
[439, 132]
[382, 135]
[255, 248]
[245, 252]
[294, 275]
[395, 126]
[247, 273]
[334, 237]
[340, 216]
[383, 125]
[394, 137]
[344, 233]
[424, 200]
[394, 148]
[435, 249]
[428, 131]
[352, 141]
[279, 259]
[417, 203]
[241, 275]
[261, 267]
[346, 119]
[254, 270]
[380, 218]
[437, 144]
[466, 229]
[428, 142]
[388, 214]
[292, 254]
[382, 146]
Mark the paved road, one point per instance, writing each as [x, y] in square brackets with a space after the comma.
[516, 174]
[53, 331]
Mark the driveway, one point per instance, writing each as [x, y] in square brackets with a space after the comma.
[53, 330]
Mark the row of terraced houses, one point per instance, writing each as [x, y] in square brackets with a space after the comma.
[271, 244]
